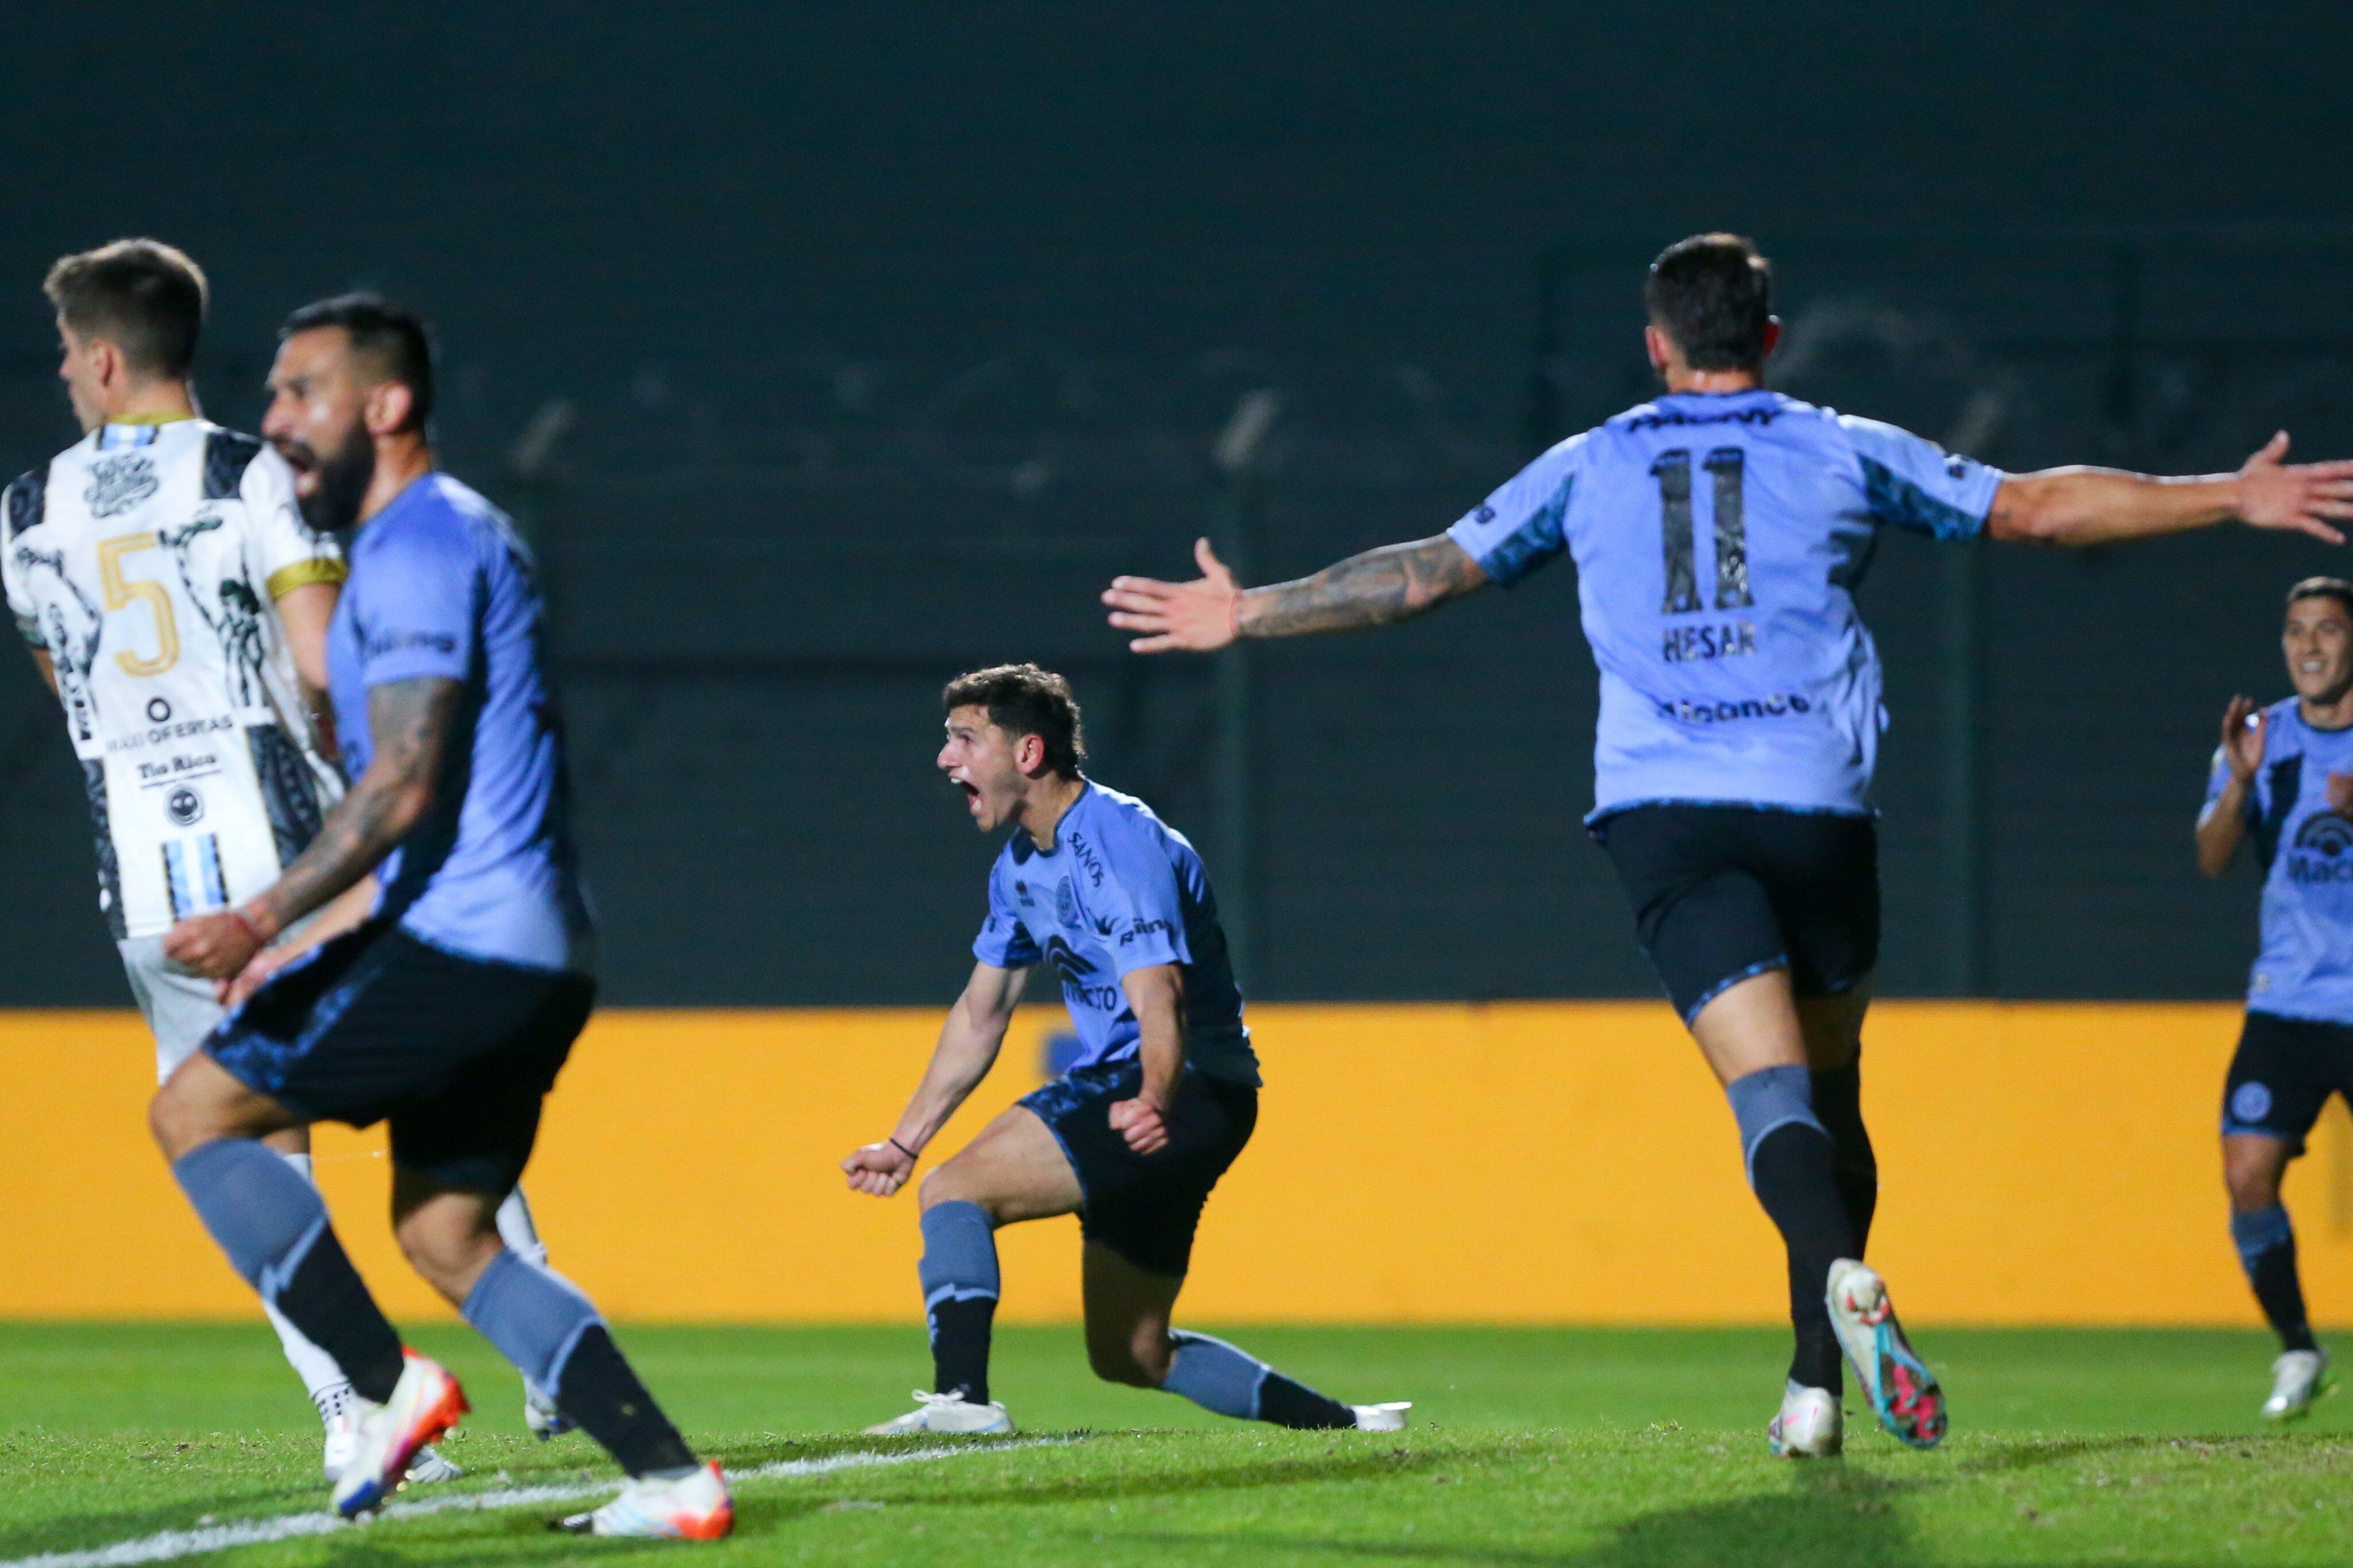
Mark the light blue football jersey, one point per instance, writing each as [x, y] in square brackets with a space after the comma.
[1718, 541]
[2306, 967]
[441, 586]
[1120, 890]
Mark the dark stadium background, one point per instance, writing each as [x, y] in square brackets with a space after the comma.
[827, 352]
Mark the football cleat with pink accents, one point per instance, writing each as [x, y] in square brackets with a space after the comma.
[688, 1508]
[1902, 1390]
[424, 1404]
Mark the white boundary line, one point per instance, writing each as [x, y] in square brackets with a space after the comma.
[168, 1545]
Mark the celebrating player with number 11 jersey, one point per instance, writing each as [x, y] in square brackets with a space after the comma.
[1719, 531]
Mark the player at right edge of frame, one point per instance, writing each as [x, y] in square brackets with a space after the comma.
[2282, 783]
[1719, 531]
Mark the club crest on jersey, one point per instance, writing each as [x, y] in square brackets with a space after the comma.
[119, 483]
[2323, 851]
[184, 806]
[1066, 903]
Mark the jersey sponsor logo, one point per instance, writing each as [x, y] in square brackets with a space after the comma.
[1660, 418]
[2251, 1101]
[1729, 712]
[1143, 929]
[1077, 972]
[1089, 861]
[119, 483]
[185, 729]
[393, 642]
[1692, 645]
[2323, 851]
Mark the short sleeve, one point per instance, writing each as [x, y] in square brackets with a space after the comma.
[19, 508]
[2220, 779]
[1003, 943]
[417, 617]
[1524, 524]
[285, 554]
[1915, 484]
[1141, 909]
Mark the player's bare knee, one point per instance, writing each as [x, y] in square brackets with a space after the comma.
[2253, 1182]
[446, 1255]
[1151, 1349]
[1113, 1360]
[943, 1185]
[179, 1119]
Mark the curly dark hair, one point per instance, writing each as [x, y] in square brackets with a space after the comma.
[1023, 699]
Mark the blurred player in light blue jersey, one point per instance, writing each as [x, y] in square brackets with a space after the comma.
[2282, 782]
[1134, 1135]
[1719, 531]
[449, 1010]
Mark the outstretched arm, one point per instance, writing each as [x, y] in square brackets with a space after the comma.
[1394, 583]
[2107, 506]
[967, 1048]
[411, 721]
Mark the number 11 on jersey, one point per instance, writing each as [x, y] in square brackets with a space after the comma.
[1727, 467]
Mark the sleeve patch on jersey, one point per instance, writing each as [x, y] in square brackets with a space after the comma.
[1534, 543]
[303, 573]
[228, 455]
[28, 498]
[1897, 500]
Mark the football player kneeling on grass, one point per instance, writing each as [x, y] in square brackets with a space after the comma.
[1132, 1138]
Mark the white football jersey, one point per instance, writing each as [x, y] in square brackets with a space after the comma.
[148, 560]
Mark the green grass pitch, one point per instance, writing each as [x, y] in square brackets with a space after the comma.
[1608, 1448]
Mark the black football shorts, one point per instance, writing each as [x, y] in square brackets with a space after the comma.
[1145, 1207]
[1723, 893]
[2283, 1074]
[376, 1025]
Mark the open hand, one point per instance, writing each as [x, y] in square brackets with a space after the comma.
[1138, 1121]
[216, 945]
[2299, 497]
[2243, 739]
[878, 1170]
[1194, 617]
[256, 973]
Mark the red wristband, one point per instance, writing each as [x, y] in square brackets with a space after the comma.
[251, 930]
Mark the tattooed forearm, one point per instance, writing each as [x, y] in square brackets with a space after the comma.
[1394, 583]
[410, 723]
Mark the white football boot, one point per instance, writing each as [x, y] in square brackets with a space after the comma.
[540, 1414]
[2298, 1378]
[691, 1508]
[1389, 1417]
[945, 1413]
[343, 1438]
[1810, 1426]
[424, 1404]
[1902, 1390]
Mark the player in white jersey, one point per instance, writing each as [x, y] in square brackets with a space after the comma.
[177, 602]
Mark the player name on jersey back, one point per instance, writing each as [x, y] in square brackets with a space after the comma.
[145, 559]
